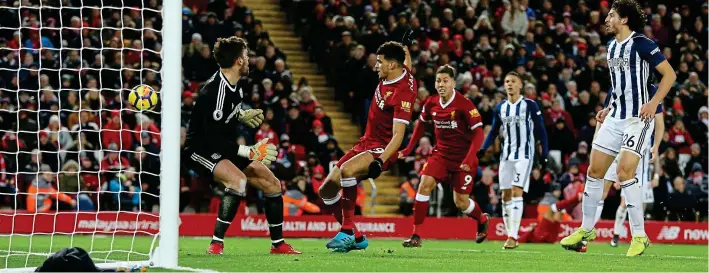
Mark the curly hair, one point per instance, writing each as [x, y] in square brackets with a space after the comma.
[632, 10]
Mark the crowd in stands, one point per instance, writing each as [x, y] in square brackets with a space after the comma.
[70, 140]
[559, 48]
[69, 136]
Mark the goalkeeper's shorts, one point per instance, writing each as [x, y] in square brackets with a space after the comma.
[203, 160]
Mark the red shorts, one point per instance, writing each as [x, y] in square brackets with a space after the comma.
[367, 146]
[448, 171]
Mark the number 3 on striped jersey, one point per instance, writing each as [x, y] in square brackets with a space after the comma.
[468, 179]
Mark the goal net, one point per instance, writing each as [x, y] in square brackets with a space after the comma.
[79, 165]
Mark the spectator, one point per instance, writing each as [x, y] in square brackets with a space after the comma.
[563, 138]
[41, 193]
[71, 183]
[265, 131]
[681, 141]
[680, 206]
[126, 195]
[407, 193]
[116, 131]
[514, 19]
[319, 114]
[696, 157]
[113, 161]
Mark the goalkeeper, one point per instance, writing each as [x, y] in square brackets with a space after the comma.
[211, 148]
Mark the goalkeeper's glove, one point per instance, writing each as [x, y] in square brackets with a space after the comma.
[251, 117]
[261, 151]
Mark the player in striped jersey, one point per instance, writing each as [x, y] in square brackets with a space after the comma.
[626, 123]
[518, 120]
[642, 172]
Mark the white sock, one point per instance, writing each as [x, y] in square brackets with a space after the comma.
[634, 205]
[592, 194]
[620, 215]
[506, 216]
[599, 211]
[516, 216]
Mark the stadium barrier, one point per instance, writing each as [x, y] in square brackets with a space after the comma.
[319, 226]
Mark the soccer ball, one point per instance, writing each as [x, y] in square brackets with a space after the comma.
[143, 97]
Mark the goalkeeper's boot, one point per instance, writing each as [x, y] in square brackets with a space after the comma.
[342, 242]
[216, 248]
[575, 240]
[511, 243]
[414, 241]
[482, 229]
[637, 246]
[284, 248]
[614, 241]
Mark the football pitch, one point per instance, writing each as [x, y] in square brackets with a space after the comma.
[249, 254]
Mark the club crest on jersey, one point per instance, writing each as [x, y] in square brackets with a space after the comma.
[217, 115]
[216, 156]
[406, 106]
[474, 113]
[387, 94]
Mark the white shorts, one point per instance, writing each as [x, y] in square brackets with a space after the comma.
[515, 173]
[642, 173]
[631, 134]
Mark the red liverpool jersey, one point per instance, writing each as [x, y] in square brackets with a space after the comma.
[393, 102]
[453, 122]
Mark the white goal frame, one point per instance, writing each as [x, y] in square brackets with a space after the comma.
[165, 255]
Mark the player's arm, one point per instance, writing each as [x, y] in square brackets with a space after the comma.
[403, 102]
[659, 133]
[419, 129]
[407, 60]
[496, 124]
[649, 52]
[539, 131]
[470, 163]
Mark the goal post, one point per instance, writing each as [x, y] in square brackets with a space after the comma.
[105, 30]
[166, 254]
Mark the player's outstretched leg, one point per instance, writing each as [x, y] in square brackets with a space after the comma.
[620, 215]
[346, 239]
[420, 209]
[471, 209]
[627, 164]
[231, 189]
[262, 178]
[592, 195]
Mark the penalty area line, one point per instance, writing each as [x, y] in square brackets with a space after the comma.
[540, 252]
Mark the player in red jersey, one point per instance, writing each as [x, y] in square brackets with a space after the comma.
[376, 150]
[458, 129]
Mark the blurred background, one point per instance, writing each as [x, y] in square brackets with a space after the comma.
[63, 112]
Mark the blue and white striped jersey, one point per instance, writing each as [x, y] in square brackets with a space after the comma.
[630, 62]
[518, 123]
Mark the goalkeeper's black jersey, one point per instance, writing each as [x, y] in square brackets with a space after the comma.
[214, 121]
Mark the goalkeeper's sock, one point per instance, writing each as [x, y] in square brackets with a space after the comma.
[227, 211]
[274, 216]
[334, 206]
[420, 211]
[634, 204]
[620, 215]
[592, 193]
[349, 194]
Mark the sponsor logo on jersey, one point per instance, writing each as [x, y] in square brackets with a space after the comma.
[216, 156]
[445, 124]
[474, 113]
[452, 115]
[406, 106]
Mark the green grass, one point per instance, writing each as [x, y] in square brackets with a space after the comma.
[243, 254]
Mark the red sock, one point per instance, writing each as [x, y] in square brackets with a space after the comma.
[477, 213]
[567, 204]
[349, 200]
[336, 211]
[420, 212]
